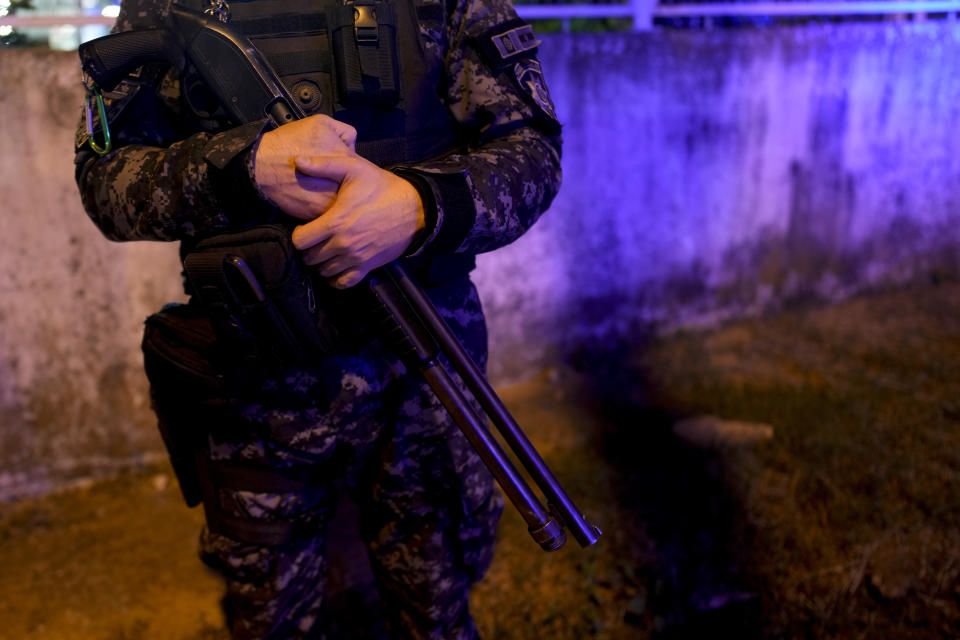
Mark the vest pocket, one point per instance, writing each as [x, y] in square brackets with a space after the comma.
[365, 53]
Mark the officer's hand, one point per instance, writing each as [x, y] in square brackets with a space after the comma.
[370, 223]
[298, 195]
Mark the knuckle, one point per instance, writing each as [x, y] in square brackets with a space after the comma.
[327, 270]
[336, 243]
[309, 257]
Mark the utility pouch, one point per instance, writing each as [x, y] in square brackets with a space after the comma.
[261, 298]
[365, 49]
[180, 360]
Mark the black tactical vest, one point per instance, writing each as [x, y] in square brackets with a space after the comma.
[360, 62]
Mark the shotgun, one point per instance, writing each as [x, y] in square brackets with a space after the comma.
[248, 89]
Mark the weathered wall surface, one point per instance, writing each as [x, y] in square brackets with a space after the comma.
[73, 398]
[714, 174]
[708, 175]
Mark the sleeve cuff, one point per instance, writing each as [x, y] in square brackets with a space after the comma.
[231, 155]
[449, 208]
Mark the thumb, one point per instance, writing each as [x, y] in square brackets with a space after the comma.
[332, 167]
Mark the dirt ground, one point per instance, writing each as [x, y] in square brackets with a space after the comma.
[844, 524]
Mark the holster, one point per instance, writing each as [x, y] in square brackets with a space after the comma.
[254, 304]
[179, 357]
[192, 389]
[262, 300]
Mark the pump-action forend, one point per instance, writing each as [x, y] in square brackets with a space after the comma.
[249, 89]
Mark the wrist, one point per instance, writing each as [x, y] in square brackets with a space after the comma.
[427, 215]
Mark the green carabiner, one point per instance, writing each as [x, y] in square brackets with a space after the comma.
[93, 93]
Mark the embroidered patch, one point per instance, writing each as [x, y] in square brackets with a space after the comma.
[515, 41]
[530, 77]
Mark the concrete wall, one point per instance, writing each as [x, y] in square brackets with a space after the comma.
[73, 398]
[716, 174]
[709, 175]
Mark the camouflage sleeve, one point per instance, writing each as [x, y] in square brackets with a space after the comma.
[488, 194]
[169, 176]
[152, 192]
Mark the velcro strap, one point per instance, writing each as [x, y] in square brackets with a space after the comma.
[369, 58]
[235, 476]
[255, 531]
[386, 151]
[247, 477]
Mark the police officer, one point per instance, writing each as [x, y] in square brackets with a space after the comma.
[431, 138]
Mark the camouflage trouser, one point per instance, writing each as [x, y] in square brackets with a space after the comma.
[428, 506]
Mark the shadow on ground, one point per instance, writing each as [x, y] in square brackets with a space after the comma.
[687, 577]
[842, 525]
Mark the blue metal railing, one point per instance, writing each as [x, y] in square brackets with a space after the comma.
[642, 13]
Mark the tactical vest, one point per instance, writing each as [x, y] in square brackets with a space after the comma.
[359, 61]
[362, 62]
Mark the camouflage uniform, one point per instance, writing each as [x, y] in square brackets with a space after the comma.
[428, 506]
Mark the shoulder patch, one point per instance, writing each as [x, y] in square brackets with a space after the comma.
[507, 43]
[529, 76]
[514, 41]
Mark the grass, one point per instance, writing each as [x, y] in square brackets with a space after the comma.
[845, 525]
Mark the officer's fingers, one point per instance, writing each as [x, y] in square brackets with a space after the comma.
[349, 278]
[332, 167]
[317, 254]
[320, 186]
[316, 195]
[335, 266]
[312, 233]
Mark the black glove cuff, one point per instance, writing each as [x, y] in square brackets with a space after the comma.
[452, 205]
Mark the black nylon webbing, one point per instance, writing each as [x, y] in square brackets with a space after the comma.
[385, 61]
[378, 151]
[276, 16]
[300, 54]
[370, 59]
[254, 531]
[247, 477]
[215, 475]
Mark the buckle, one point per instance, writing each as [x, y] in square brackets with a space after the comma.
[365, 26]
